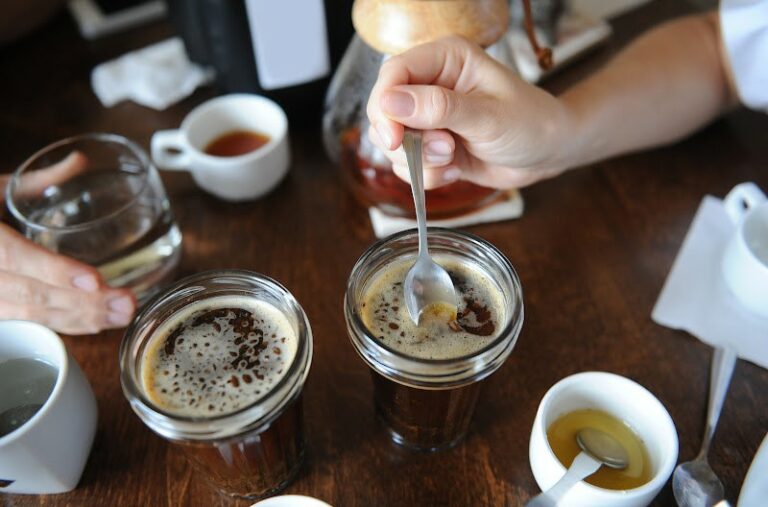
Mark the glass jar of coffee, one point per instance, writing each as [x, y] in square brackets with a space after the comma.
[216, 364]
[427, 377]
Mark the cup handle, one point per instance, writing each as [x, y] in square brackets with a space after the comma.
[169, 150]
[741, 199]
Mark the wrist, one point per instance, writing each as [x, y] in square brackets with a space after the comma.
[569, 134]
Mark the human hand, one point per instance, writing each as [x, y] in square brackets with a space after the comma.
[481, 122]
[53, 290]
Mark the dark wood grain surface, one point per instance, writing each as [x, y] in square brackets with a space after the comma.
[592, 250]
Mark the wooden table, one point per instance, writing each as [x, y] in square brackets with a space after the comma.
[592, 250]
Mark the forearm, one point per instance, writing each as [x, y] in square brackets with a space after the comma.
[664, 86]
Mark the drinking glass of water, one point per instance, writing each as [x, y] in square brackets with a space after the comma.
[98, 199]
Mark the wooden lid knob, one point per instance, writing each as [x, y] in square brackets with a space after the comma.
[393, 26]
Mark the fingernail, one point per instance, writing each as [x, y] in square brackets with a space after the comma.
[122, 305]
[118, 319]
[452, 174]
[437, 159]
[438, 152]
[399, 104]
[439, 148]
[86, 282]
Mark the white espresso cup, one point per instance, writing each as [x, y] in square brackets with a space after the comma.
[48, 452]
[237, 178]
[745, 260]
[627, 401]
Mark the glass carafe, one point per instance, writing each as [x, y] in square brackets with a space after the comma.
[384, 28]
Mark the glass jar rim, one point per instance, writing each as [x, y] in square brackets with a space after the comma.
[453, 372]
[259, 413]
[13, 183]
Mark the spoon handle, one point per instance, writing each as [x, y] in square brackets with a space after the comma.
[412, 148]
[723, 362]
[582, 467]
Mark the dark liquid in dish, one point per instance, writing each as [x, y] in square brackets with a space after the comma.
[236, 143]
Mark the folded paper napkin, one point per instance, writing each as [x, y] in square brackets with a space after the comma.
[511, 207]
[156, 76]
[695, 297]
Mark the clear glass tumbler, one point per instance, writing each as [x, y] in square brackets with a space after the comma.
[256, 450]
[98, 199]
[427, 404]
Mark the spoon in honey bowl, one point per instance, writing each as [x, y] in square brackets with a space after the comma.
[427, 284]
[597, 448]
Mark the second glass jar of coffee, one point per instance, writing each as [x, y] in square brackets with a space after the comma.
[216, 364]
[425, 389]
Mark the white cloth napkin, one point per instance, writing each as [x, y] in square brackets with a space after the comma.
[509, 208]
[156, 76]
[695, 297]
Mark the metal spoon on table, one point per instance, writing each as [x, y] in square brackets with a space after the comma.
[426, 283]
[597, 448]
[694, 483]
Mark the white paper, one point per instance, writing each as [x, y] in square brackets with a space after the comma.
[695, 297]
[156, 76]
[289, 41]
[511, 207]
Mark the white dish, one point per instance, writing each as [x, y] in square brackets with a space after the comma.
[291, 501]
[48, 453]
[625, 400]
[754, 491]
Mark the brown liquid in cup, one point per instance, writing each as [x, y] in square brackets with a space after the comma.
[424, 419]
[222, 355]
[436, 336]
[255, 465]
[236, 143]
[430, 419]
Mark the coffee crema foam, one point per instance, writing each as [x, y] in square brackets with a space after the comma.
[480, 318]
[217, 356]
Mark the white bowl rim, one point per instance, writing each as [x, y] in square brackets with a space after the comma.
[666, 467]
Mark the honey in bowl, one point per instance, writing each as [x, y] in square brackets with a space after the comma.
[561, 435]
[236, 143]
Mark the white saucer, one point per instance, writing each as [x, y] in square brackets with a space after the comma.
[506, 209]
[291, 501]
[754, 491]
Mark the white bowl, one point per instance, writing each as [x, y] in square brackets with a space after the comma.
[627, 401]
[291, 501]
